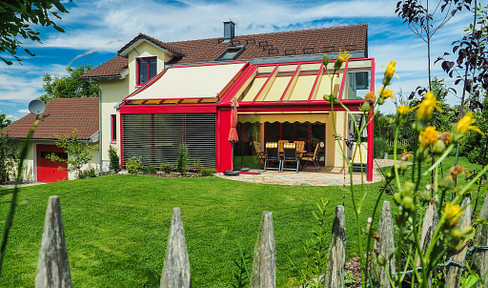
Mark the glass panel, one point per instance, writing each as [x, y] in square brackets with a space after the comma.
[152, 67]
[358, 85]
[301, 131]
[287, 131]
[272, 132]
[277, 89]
[143, 71]
[317, 135]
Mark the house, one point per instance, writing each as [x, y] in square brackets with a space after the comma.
[61, 117]
[156, 95]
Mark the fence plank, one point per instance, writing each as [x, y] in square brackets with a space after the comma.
[52, 266]
[431, 219]
[385, 246]
[453, 278]
[176, 269]
[264, 264]
[335, 273]
[480, 257]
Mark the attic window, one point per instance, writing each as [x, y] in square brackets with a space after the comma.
[146, 69]
[231, 53]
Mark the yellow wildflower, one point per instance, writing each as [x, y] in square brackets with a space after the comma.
[458, 170]
[405, 156]
[464, 125]
[389, 72]
[370, 96]
[426, 107]
[341, 58]
[386, 93]
[452, 212]
[403, 109]
[428, 137]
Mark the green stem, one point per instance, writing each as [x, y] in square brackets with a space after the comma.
[439, 161]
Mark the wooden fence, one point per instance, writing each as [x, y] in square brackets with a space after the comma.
[53, 267]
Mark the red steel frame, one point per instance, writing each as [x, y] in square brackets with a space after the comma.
[221, 108]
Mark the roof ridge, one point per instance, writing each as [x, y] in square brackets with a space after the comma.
[270, 33]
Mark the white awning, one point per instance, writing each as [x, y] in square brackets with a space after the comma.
[203, 81]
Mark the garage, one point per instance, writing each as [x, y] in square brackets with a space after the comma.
[49, 171]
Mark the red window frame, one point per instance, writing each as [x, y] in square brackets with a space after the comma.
[148, 69]
[113, 127]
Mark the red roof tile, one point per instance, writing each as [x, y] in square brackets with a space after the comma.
[301, 42]
[63, 116]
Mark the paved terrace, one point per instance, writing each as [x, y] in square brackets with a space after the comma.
[310, 177]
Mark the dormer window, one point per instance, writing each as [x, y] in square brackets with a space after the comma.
[232, 52]
[146, 69]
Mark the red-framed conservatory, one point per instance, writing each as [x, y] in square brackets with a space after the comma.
[191, 104]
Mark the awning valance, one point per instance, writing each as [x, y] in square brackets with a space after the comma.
[302, 118]
[190, 82]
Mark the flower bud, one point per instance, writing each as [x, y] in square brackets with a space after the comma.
[325, 60]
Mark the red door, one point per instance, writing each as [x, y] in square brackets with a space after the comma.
[47, 170]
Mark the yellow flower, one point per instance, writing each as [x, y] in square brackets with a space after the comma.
[386, 93]
[464, 125]
[452, 212]
[403, 109]
[389, 72]
[426, 107]
[428, 137]
[341, 58]
[370, 96]
[344, 56]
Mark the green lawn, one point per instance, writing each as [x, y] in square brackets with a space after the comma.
[116, 227]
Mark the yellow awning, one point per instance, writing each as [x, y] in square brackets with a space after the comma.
[302, 118]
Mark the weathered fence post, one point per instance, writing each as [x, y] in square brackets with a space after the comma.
[52, 266]
[431, 219]
[336, 270]
[453, 278]
[385, 246]
[264, 264]
[176, 269]
[480, 257]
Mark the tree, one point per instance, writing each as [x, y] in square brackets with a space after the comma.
[70, 86]
[4, 122]
[8, 156]
[425, 19]
[78, 152]
[16, 18]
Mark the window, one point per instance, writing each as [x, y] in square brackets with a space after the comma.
[231, 53]
[146, 69]
[113, 127]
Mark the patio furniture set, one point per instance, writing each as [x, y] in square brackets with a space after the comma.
[288, 156]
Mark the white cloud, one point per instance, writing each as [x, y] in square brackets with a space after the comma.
[26, 111]
[12, 117]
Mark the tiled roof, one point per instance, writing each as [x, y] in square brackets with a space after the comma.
[63, 116]
[301, 42]
[111, 68]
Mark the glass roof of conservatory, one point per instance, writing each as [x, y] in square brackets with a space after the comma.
[301, 82]
[188, 84]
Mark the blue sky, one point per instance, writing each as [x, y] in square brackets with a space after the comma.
[106, 25]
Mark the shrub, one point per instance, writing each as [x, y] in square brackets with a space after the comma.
[149, 170]
[207, 172]
[380, 147]
[166, 168]
[134, 165]
[8, 156]
[90, 172]
[114, 159]
[182, 163]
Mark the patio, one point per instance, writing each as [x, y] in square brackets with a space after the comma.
[310, 177]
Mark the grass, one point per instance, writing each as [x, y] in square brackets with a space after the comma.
[116, 227]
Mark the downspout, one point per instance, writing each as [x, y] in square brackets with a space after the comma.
[99, 126]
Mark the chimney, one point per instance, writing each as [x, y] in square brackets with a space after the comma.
[229, 30]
